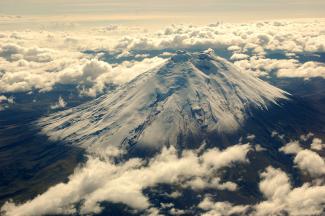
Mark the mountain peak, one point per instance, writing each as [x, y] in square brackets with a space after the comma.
[190, 95]
[181, 56]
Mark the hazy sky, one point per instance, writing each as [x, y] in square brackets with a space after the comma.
[160, 10]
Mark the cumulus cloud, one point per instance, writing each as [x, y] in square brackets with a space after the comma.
[174, 211]
[305, 137]
[307, 161]
[257, 37]
[14, 52]
[128, 70]
[5, 102]
[291, 148]
[306, 70]
[281, 198]
[102, 180]
[310, 162]
[275, 183]
[91, 76]
[6, 99]
[56, 58]
[239, 56]
[60, 104]
[250, 137]
[221, 208]
[317, 144]
[262, 67]
[259, 148]
[276, 134]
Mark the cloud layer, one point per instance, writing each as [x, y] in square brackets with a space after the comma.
[102, 180]
[31, 60]
[280, 197]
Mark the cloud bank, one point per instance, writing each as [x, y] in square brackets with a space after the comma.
[281, 198]
[32, 60]
[102, 180]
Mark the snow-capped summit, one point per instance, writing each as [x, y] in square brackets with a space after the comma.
[189, 95]
[181, 56]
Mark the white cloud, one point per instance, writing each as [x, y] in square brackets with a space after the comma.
[40, 60]
[100, 180]
[259, 148]
[174, 211]
[5, 102]
[251, 137]
[175, 194]
[310, 162]
[275, 184]
[306, 70]
[234, 48]
[307, 161]
[304, 200]
[221, 208]
[200, 183]
[317, 144]
[290, 36]
[6, 99]
[239, 56]
[60, 104]
[305, 137]
[291, 148]
[14, 52]
[280, 198]
[261, 66]
[91, 76]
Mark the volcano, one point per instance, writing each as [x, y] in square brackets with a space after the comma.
[181, 101]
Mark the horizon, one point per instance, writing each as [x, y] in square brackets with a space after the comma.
[37, 14]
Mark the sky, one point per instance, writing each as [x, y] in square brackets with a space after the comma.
[28, 12]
